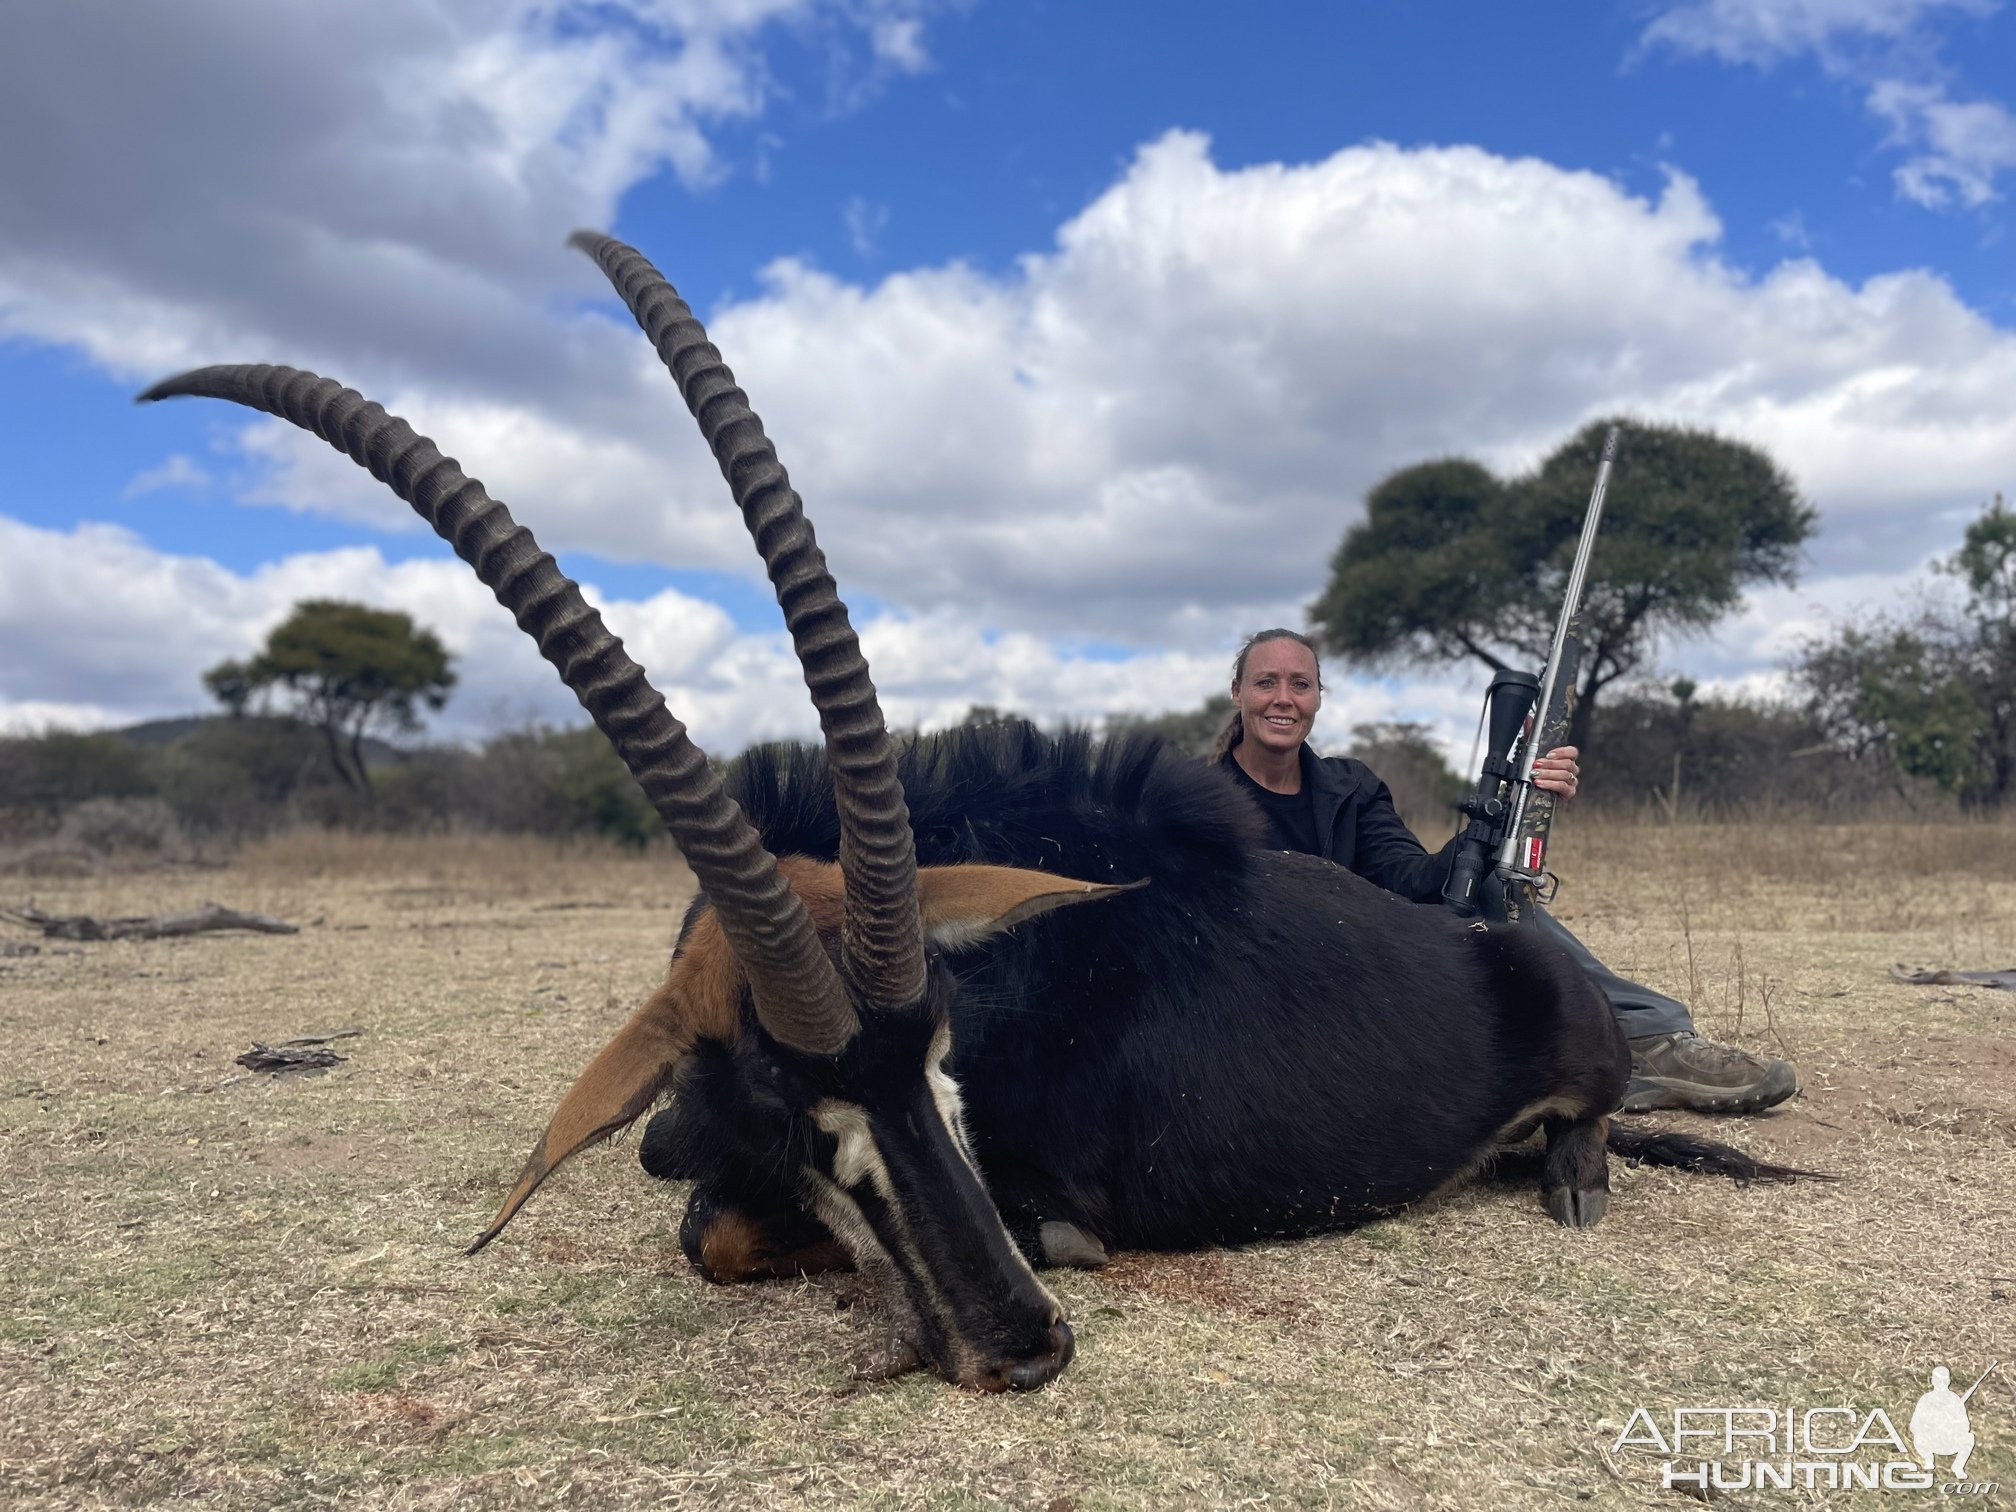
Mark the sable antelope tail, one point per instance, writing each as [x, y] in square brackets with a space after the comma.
[1687, 1153]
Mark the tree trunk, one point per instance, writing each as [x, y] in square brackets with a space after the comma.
[336, 755]
[357, 758]
[1580, 718]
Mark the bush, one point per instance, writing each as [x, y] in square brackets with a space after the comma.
[116, 826]
[1191, 730]
[243, 776]
[558, 782]
[62, 767]
[1666, 750]
[1425, 789]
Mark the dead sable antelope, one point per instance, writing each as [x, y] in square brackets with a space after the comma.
[944, 1069]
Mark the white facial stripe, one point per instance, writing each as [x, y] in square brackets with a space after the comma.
[840, 1213]
[945, 1092]
[856, 1159]
[952, 1108]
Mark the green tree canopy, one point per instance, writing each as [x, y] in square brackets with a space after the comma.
[1933, 693]
[1453, 562]
[348, 670]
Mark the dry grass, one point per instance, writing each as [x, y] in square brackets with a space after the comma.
[247, 1293]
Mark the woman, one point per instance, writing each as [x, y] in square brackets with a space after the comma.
[1337, 808]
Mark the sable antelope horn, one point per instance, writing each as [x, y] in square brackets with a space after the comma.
[881, 939]
[798, 994]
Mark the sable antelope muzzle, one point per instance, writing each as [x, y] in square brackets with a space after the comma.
[813, 978]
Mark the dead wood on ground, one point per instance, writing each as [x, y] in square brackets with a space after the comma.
[211, 916]
[1935, 976]
[284, 1058]
[300, 1056]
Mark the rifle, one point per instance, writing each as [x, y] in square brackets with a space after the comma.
[1499, 868]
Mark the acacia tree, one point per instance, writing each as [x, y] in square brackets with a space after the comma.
[1451, 561]
[348, 670]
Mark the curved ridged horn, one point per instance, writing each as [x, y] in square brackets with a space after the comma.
[797, 991]
[881, 938]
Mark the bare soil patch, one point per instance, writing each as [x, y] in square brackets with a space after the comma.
[248, 1293]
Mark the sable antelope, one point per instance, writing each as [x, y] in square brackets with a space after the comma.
[1255, 1044]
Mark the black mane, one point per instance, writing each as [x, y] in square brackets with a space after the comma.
[1010, 795]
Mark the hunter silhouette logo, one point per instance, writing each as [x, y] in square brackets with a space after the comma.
[1939, 1421]
[1832, 1446]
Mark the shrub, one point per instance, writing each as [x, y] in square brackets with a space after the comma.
[60, 767]
[1425, 789]
[116, 826]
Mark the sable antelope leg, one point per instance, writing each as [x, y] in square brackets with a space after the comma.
[1575, 1180]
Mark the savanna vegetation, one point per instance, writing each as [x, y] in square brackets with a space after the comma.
[225, 1289]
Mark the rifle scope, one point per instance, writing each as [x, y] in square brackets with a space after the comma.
[1507, 702]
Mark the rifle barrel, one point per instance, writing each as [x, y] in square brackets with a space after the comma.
[1572, 604]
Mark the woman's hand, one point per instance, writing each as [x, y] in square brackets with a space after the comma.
[1557, 772]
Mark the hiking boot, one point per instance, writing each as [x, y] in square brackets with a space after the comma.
[1686, 1071]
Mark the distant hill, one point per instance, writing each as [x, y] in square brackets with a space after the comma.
[161, 732]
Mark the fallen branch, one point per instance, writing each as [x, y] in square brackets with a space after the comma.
[288, 1058]
[1933, 976]
[159, 927]
[319, 1039]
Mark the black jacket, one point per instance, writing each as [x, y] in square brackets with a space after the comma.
[1358, 827]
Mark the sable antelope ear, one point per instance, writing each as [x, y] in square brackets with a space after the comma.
[619, 1084]
[963, 905]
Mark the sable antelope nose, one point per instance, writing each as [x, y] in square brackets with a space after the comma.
[1043, 1369]
[1036, 1370]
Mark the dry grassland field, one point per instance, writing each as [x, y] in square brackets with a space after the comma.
[242, 1291]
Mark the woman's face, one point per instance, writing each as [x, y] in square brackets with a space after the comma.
[1279, 695]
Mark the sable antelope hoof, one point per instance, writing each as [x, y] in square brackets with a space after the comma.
[1575, 1179]
[1581, 1208]
[1066, 1244]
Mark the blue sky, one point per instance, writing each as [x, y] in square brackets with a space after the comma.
[1082, 328]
